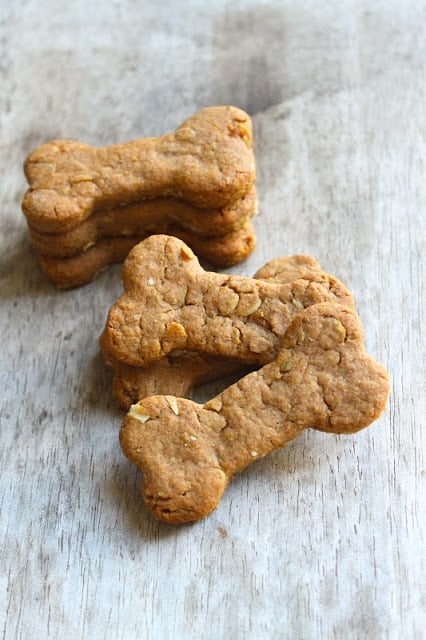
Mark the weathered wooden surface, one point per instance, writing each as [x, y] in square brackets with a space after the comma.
[324, 539]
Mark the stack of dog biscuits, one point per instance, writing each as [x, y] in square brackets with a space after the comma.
[180, 371]
[290, 333]
[295, 322]
[87, 207]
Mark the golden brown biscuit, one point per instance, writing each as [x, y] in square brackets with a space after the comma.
[75, 271]
[210, 313]
[179, 373]
[143, 218]
[322, 378]
[207, 162]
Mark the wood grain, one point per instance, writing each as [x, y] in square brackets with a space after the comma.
[324, 539]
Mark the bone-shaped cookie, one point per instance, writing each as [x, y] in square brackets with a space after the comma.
[75, 271]
[180, 373]
[208, 161]
[170, 302]
[322, 378]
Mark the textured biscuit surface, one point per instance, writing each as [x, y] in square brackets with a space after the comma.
[87, 207]
[191, 309]
[77, 270]
[145, 218]
[180, 372]
[207, 162]
[321, 378]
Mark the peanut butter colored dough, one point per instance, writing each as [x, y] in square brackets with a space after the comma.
[195, 310]
[207, 162]
[77, 270]
[146, 218]
[180, 372]
[322, 378]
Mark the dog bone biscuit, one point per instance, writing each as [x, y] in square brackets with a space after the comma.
[208, 162]
[322, 378]
[195, 310]
[75, 271]
[179, 373]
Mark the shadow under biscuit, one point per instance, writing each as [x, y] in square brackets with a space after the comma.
[20, 273]
[209, 390]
